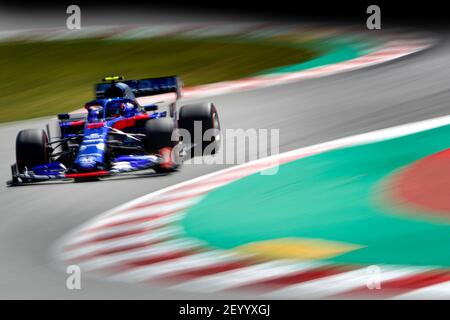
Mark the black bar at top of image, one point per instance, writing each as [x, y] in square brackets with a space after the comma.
[398, 12]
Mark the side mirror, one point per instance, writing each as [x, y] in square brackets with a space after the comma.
[151, 107]
[63, 116]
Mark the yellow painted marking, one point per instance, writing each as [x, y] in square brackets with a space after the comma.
[113, 78]
[297, 248]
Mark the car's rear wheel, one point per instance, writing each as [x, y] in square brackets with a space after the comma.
[31, 149]
[205, 114]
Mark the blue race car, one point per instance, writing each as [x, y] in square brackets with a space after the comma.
[117, 134]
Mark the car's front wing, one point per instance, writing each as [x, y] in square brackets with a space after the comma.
[57, 171]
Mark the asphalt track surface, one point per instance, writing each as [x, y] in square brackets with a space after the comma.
[32, 218]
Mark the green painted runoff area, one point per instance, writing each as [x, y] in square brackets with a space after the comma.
[334, 196]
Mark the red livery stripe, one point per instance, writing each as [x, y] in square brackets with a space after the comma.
[87, 174]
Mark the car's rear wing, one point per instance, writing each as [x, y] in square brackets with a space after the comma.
[147, 87]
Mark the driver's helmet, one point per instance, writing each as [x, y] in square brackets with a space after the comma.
[114, 91]
[115, 109]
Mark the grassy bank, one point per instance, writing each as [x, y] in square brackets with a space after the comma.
[44, 78]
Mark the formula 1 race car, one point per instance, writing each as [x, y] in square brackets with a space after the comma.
[117, 134]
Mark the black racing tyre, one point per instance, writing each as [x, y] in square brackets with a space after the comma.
[161, 170]
[159, 134]
[31, 148]
[206, 114]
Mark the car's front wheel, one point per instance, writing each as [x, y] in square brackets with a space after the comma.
[31, 149]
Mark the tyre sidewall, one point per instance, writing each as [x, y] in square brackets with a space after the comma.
[205, 113]
[31, 148]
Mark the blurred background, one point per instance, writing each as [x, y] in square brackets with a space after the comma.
[35, 62]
